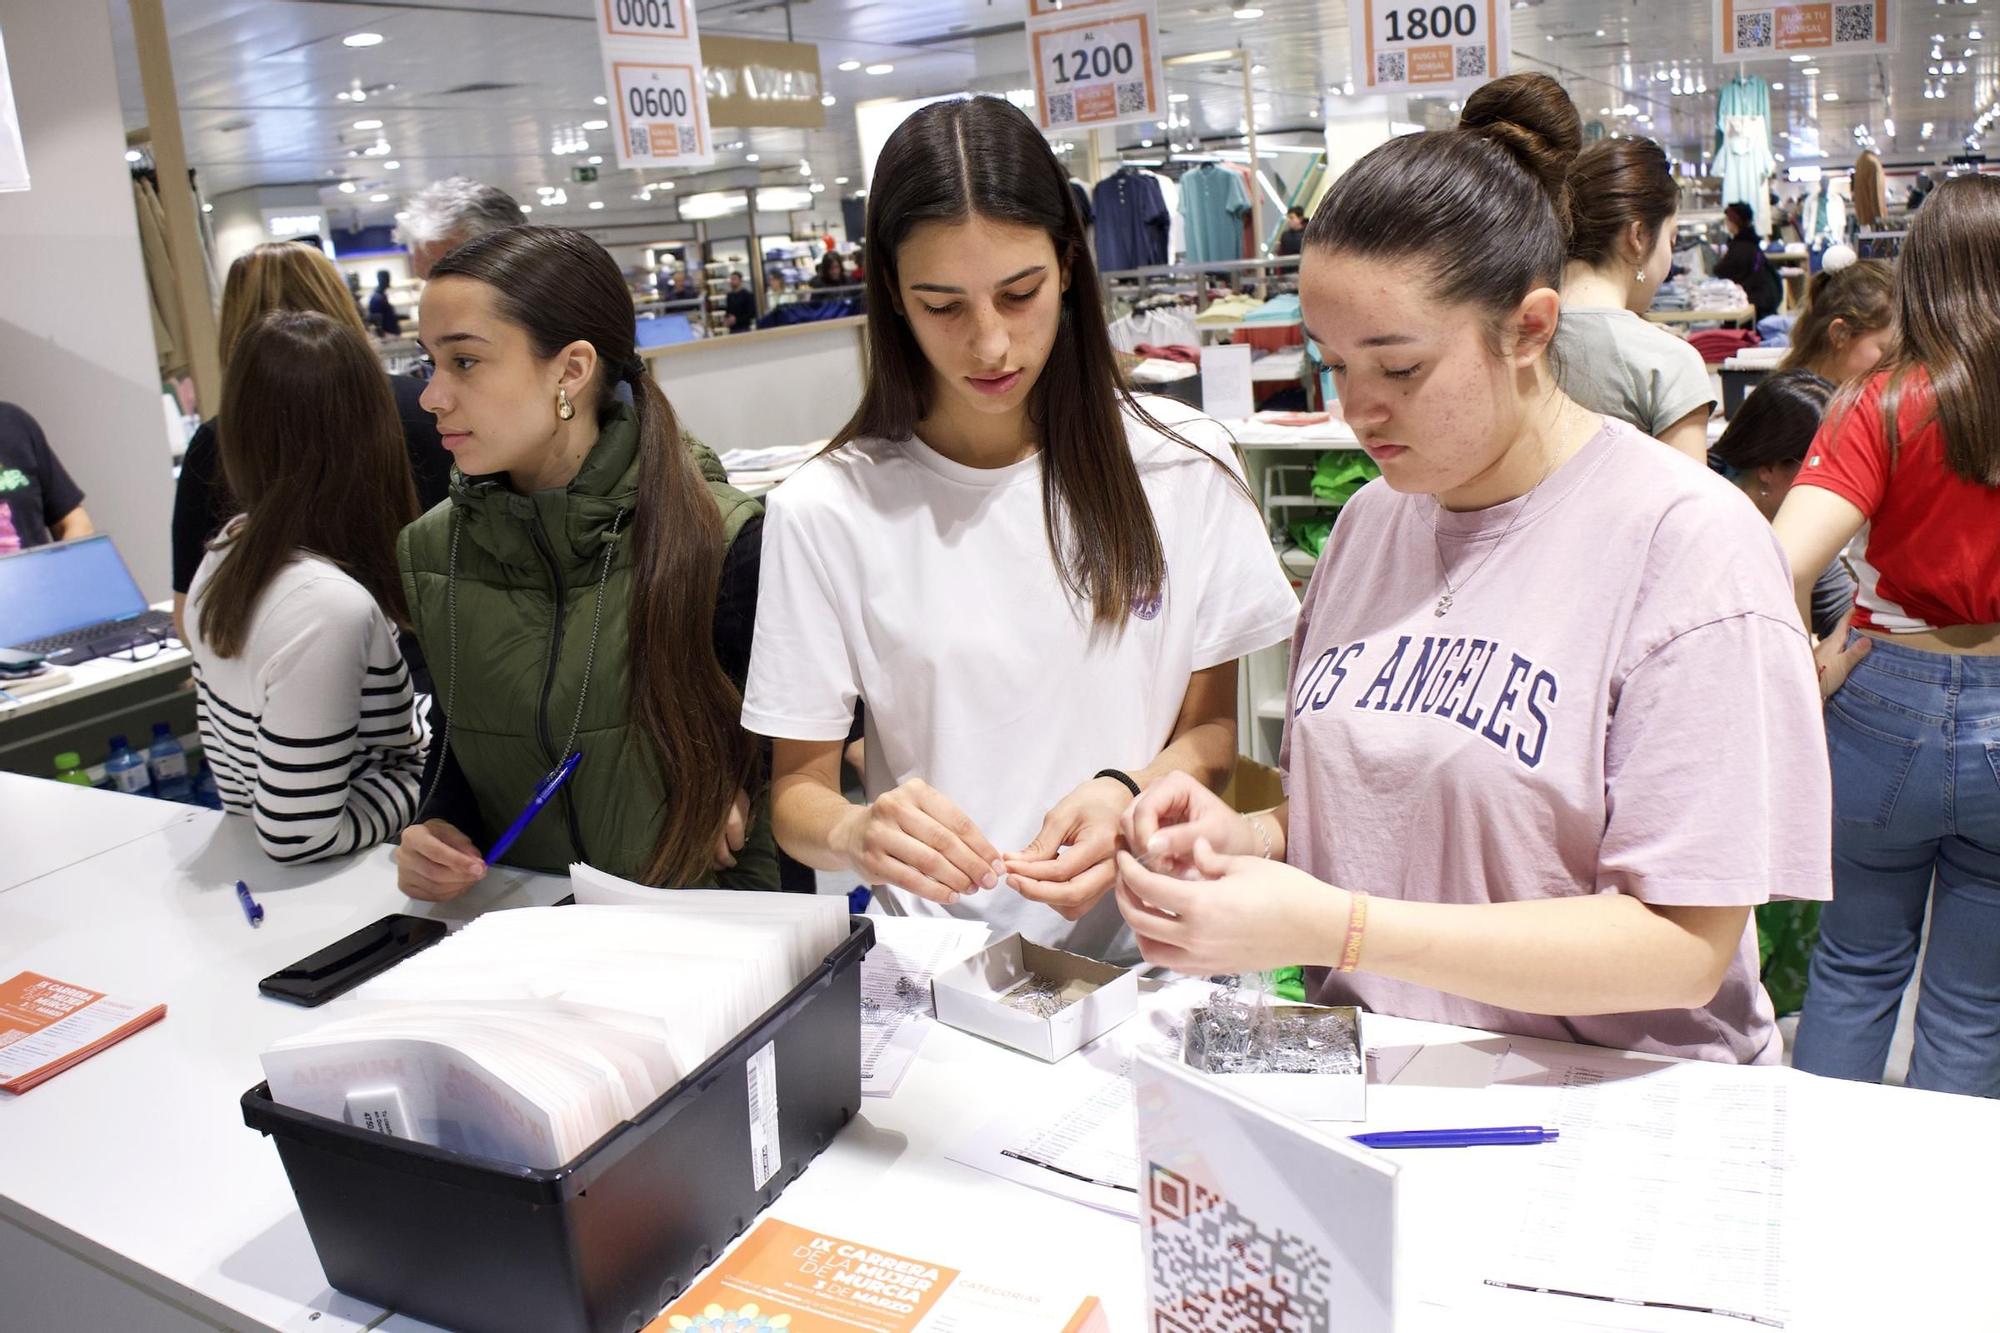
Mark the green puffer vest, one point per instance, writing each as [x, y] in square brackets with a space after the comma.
[527, 576]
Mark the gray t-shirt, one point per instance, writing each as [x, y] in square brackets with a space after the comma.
[1615, 363]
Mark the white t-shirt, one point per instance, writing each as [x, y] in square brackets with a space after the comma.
[894, 575]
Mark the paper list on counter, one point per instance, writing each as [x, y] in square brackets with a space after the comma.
[896, 990]
[1665, 1193]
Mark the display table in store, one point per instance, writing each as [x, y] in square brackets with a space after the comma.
[1741, 314]
[132, 1196]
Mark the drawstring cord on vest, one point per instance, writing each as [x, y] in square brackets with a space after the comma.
[451, 624]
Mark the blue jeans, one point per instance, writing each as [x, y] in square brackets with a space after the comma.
[1914, 739]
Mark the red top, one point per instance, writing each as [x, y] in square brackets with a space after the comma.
[1929, 556]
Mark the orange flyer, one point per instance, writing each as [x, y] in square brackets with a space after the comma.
[47, 1025]
[789, 1278]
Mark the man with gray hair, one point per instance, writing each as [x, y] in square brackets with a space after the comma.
[449, 213]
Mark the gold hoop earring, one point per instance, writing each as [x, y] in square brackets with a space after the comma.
[563, 408]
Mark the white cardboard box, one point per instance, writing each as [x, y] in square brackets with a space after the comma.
[1307, 1096]
[968, 997]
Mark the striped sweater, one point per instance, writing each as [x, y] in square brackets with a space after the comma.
[311, 729]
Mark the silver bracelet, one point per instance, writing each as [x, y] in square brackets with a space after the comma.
[1262, 836]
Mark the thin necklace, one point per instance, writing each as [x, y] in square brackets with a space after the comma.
[1444, 572]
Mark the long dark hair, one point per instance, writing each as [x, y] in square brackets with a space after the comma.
[312, 449]
[1484, 205]
[1948, 323]
[1775, 424]
[982, 156]
[560, 287]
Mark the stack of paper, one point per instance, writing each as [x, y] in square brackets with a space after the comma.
[46, 1026]
[531, 1033]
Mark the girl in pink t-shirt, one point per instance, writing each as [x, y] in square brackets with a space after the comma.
[1553, 730]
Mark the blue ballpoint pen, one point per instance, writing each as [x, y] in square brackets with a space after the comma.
[543, 795]
[253, 911]
[1497, 1135]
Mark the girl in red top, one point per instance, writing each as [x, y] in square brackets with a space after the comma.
[1906, 477]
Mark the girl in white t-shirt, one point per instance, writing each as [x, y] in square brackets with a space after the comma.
[1037, 585]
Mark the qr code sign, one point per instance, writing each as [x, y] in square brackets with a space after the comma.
[1062, 108]
[1131, 98]
[1853, 23]
[1214, 1270]
[1753, 31]
[690, 141]
[638, 141]
[1391, 67]
[1468, 62]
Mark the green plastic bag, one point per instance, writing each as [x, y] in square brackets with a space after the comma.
[1787, 934]
[1287, 984]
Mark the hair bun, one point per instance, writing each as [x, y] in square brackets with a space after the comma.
[1531, 117]
[1837, 257]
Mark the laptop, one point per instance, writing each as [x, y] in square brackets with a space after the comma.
[74, 601]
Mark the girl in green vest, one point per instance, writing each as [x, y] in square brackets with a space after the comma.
[588, 587]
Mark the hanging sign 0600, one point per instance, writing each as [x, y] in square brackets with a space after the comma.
[653, 81]
[1095, 70]
[1407, 46]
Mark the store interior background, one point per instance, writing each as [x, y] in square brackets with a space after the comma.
[282, 113]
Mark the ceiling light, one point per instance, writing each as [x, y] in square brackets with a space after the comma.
[828, 100]
[816, 188]
[1249, 12]
[362, 39]
[367, 124]
[597, 203]
[1777, 87]
[1829, 97]
[134, 155]
[392, 166]
[805, 167]
[402, 215]
[378, 198]
[1145, 143]
[208, 208]
[1800, 60]
[527, 208]
[1600, 32]
[598, 101]
[1259, 69]
[596, 124]
[882, 69]
[347, 187]
[593, 161]
[1810, 69]
[848, 66]
[1974, 35]
[753, 157]
[1177, 97]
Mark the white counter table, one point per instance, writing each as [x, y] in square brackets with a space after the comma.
[132, 1195]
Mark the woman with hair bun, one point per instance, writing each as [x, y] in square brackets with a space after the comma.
[1621, 205]
[1849, 319]
[1553, 731]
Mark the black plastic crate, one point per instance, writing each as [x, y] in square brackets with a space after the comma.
[599, 1245]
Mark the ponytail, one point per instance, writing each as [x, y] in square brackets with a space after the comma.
[683, 702]
[562, 287]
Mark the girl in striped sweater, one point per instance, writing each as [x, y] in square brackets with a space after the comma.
[305, 704]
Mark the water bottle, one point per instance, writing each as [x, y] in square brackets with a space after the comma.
[126, 771]
[69, 768]
[169, 765]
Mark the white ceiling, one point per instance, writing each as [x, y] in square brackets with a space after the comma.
[258, 81]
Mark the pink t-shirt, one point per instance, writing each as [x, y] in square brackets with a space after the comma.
[1621, 700]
